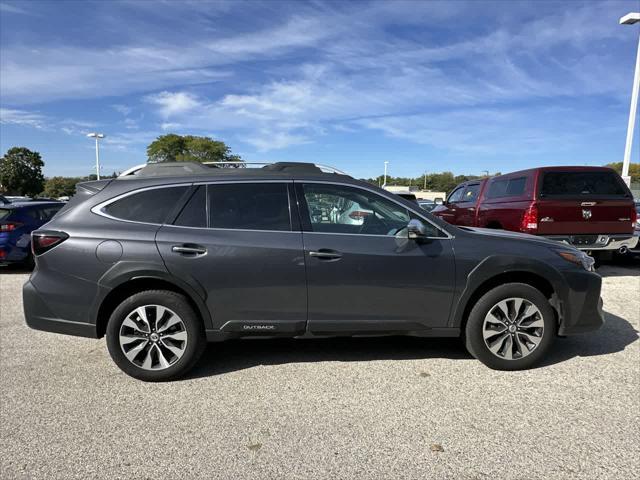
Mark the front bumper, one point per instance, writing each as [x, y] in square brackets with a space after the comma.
[598, 242]
[581, 310]
[39, 317]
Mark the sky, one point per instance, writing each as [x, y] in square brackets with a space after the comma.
[428, 86]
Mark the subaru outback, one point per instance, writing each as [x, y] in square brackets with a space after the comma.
[179, 254]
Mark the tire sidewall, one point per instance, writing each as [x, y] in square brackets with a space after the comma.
[178, 304]
[473, 331]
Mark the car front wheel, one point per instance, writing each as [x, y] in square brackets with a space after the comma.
[155, 335]
[511, 327]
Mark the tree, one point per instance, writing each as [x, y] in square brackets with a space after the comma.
[634, 170]
[55, 187]
[21, 172]
[189, 148]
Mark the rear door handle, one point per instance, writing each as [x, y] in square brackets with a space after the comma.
[325, 254]
[189, 250]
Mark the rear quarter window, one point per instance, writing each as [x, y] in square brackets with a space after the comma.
[4, 213]
[148, 206]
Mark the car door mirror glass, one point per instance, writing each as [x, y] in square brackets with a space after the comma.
[416, 229]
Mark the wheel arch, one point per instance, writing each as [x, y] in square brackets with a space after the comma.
[482, 280]
[138, 284]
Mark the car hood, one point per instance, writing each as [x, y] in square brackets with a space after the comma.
[491, 232]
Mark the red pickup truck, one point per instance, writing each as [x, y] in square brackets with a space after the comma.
[589, 207]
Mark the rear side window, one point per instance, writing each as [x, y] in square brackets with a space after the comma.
[582, 183]
[508, 187]
[194, 213]
[249, 206]
[148, 206]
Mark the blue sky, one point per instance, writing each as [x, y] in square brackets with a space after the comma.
[427, 86]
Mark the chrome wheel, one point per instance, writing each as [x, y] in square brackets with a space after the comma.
[153, 337]
[513, 328]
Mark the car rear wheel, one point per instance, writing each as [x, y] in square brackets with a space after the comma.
[511, 327]
[155, 335]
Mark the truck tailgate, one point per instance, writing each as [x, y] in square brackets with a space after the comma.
[557, 217]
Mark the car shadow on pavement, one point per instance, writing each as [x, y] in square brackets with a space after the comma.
[235, 355]
[616, 334]
[15, 270]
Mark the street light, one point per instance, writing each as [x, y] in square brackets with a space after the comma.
[97, 136]
[384, 184]
[630, 19]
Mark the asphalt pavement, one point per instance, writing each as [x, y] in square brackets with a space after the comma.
[362, 408]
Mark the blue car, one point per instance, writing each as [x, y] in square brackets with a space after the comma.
[17, 221]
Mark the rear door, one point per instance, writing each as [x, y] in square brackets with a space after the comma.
[583, 202]
[368, 276]
[237, 243]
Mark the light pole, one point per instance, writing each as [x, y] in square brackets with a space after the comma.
[384, 184]
[630, 19]
[97, 136]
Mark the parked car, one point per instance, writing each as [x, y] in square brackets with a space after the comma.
[17, 221]
[588, 207]
[427, 205]
[161, 263]
[407, 196]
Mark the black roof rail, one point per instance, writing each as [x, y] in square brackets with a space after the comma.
[196, 168]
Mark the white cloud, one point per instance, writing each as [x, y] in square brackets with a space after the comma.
[173, 103]
[22, 117]
[123, 109]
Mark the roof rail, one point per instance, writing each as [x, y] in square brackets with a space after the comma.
[193, 168]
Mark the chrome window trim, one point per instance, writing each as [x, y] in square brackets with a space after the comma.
[447, 236]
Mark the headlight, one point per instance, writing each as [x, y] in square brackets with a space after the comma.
[578, 257]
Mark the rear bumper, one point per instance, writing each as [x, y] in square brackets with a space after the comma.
[582, 309]
[601, 241]
[39, 317]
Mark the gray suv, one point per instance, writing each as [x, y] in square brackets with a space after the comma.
[180, 254]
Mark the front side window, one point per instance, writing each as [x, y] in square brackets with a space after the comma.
[343, 209]
[249, 206]
[456, 195]
[471, 193]
[147, 206]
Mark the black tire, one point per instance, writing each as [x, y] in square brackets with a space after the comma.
[176, 302]
[474, 339]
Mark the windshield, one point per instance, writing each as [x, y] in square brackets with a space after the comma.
[581, 184]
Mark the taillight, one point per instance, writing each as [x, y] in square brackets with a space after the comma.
[3, 253]
[634, 218]
[529, 222]
[9, 226]
[46, 240]
[358, 214]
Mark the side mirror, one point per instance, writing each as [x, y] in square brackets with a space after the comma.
[416, 229]
[438, 201]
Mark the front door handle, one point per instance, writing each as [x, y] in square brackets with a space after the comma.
[189, 249]
[325, 254]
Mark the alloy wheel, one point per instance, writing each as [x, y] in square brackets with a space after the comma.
[513, 328]
[153, 337]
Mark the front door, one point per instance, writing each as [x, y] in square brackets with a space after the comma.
[363, 272]
[243, 254]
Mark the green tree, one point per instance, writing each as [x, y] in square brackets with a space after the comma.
[21, 172]
[55, 187]
[189, 148]
[634, 170]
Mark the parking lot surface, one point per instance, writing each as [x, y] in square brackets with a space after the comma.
[335, 408]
